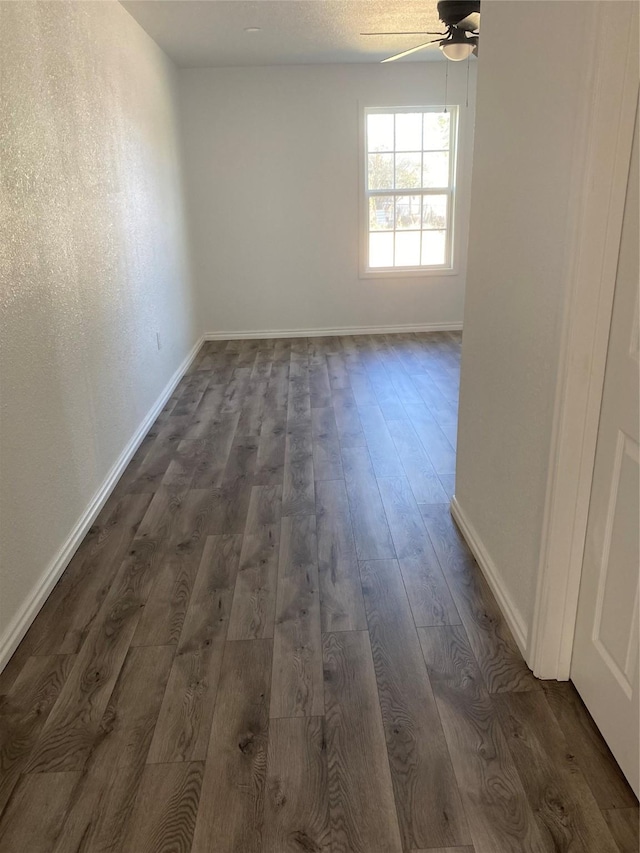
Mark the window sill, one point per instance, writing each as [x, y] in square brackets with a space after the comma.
[417, 272]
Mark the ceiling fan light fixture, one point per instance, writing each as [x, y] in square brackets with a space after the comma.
[456, 51]
[458, 45]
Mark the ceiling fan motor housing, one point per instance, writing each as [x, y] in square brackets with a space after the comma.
[451, 12]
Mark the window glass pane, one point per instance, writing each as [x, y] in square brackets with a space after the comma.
[381, 213]
[380, 171]
[433, 247]
[434, 211]
[407, 211]
[435, 169]
[436, 131]
[408, 131]
[380, 131]
[407, 248]
[381, 249]
[408, 170]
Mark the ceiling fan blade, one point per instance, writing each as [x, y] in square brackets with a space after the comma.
[471, 23]
[411, 50]
[419, 33]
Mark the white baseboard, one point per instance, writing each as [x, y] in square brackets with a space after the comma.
[20, 624]
[489, 569]
[323, 333]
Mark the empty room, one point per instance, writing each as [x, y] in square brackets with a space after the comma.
[319, 426]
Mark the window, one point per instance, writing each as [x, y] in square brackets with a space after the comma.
[409, 188]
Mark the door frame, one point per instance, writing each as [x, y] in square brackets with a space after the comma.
[599, 184]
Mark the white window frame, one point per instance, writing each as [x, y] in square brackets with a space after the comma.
[448, 268]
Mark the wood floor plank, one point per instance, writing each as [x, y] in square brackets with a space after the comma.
[182, 468]
[347, 418]
[561, 800]
[164, 815]
[263, 363]
[623, 825]
[410, 537]
[190, 398]
[298, 490]
[210, 405]
[296, 809]
[428, 592]
[248, 353]
[327, 462]
[338, 373]
[282, 351]
[370, 528]
[23, 712]
[230, 813]
[499, 815]
[319, 385]
[382, 450]
[230, 503]
[404, 386]
[161, 520]
[426, 587]
[184, 722]
[362, 389]
[269, 469]
[341, 602]
[150, 473]
[44, 798]
[362, 810]
[418, 469]
[298, 493]
[180, 551]
[465, 849]
[387, 398]
[440, 409]
[428, 803]
[299, 399]
[434, 441]
[163, 614]
[498, 656]
[296, 687]
[594, 758]
[207, 421]
[106, 793]
[253, 408]
[254, 600]
[236, 391]
[73, 726]
[213, 451]
[278, 389]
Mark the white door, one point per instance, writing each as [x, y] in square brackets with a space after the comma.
[606, 660]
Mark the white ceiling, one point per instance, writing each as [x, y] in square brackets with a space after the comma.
[197, 33]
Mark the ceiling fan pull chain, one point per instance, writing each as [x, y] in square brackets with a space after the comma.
[446, 85]
[468, 59]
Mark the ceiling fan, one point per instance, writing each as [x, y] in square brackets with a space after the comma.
[462, 21]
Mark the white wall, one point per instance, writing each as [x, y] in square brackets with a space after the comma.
[93, 265]
[530, 93]
[272, 168]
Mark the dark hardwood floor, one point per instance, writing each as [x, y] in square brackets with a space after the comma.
[275, 640]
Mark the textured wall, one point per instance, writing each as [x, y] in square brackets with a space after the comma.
[93, 264]
[529, 94]
[271, 168]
